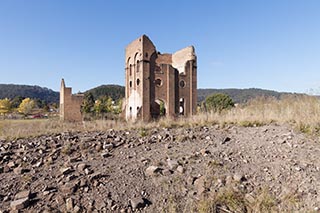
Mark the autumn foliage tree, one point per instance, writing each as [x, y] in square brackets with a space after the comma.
[26, 106]
[5, 106]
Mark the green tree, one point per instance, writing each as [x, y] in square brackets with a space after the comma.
[88, 103]
[16, 101]
[218, 102]
[109, 105]
[98, 107]
[5, 106]
[162, 109]
[26, 106]
[118, 107]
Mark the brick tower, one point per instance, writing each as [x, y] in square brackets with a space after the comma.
[159, 84]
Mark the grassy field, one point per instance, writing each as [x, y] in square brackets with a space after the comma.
[303, 113]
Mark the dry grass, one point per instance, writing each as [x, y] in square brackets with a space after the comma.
[302, 112]
[11, 129]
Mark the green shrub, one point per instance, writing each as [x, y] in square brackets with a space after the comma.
[218, 102]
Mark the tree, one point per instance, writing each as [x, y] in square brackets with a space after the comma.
[162, 109]
[26, 106]
[5, 106]
[218, 102]
[118, 107]
[98, 107]
[88, 103]
[109, 105]
[16, 101]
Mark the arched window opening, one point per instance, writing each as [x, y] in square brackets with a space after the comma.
[130, 70]
[181, 106]
[182, 83]
[138, 66]
[158, 82]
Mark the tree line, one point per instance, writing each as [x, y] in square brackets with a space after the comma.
[21, 105]
[101, 107]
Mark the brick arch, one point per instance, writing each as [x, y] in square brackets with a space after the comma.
[156, 108]
[128, 61]
[136, 62]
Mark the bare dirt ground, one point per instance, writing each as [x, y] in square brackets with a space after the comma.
[200, 169]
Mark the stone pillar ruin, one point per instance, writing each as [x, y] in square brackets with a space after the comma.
[70, 105]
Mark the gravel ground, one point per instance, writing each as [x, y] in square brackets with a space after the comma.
[208, 169]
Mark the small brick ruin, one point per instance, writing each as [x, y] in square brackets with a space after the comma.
[159, 84]
[70, 105]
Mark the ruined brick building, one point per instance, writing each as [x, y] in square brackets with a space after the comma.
[159, 84]
[70, 105]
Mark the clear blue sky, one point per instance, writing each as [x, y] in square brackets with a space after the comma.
[271, 44]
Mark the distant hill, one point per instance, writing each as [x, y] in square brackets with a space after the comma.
[241, 95]
[114, 91]
[12, 90]
[237, 95]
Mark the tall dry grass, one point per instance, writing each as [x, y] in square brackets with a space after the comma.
[289, 109]
[302, 112]
[11, 129]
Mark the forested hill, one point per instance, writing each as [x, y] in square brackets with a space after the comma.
[12, 90]
[114, 91]
[241, 95]
[237, 95]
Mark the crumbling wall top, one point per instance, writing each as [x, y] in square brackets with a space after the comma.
[141, 45]
[164, 59]
[180, 58]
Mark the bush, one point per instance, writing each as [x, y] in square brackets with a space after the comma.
[218, 102]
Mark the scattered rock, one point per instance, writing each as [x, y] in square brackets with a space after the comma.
[96, 176]
[19, 204]
[66, 171]
[108, 146]
[239, 177]
[68, 188]
[180, 169]
[225, 140]
[88, 182]
[11, 164]
[76, 209]
[199, 183]
[82, 166]
[105, 154]
[69, 204]
[173, 164]
[204, 152]
[249, 198]
[137, 203]
[167, 172]
[22, 194]
[18, 170]
[151, 170]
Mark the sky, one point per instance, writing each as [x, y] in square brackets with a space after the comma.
[269, 44]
